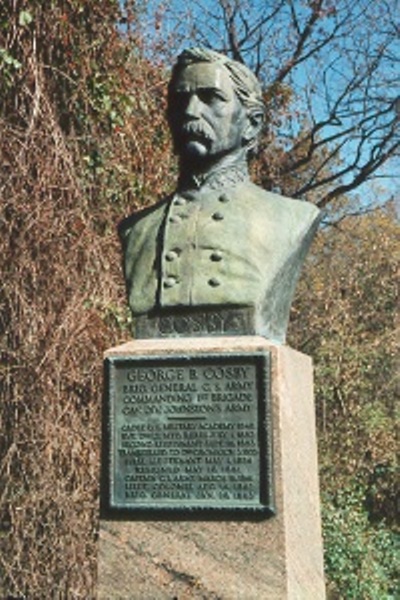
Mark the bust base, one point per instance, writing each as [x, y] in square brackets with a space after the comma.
[278, 558]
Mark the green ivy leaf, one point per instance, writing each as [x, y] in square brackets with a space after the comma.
[24, 18]
[7, 59]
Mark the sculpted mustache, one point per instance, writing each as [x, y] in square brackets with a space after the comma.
[198, 130]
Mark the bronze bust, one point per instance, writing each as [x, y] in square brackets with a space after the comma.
[219, 241]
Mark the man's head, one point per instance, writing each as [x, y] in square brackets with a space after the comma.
[215, 107]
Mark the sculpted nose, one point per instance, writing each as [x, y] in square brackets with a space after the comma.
[193, 107]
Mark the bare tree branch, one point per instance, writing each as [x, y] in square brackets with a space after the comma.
[330, 73]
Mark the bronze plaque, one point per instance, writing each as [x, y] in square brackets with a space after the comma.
[187, 434]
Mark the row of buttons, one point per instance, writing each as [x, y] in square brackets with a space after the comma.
[217, 216]
[189, 197]
[172, 255]
[172, 281]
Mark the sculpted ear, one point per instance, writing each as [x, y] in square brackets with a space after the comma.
[253, 127]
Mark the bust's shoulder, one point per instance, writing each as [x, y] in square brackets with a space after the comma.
[143, 218]
[274, 215]
[270, 201]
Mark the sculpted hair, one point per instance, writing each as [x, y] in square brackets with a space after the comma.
[246, 86]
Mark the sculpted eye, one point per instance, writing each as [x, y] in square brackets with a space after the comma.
[209, 95]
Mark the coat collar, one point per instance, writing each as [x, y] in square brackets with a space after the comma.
[216, 179]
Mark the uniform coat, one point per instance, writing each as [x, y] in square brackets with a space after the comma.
[227, 243]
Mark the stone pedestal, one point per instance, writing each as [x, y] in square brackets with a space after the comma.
[275, 558]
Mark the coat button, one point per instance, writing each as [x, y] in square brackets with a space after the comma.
[217, 216]
[171, 255]
[189, 196]
[214, 282]
[170, 282]
[216, 256]
[175, 219]
[223, 198]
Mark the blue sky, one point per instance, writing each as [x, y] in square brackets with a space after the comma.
[317, 82]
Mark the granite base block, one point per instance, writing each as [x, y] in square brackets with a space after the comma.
[276, 558]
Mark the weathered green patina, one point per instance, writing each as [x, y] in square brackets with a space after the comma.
[188, 435]
[219, 241]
